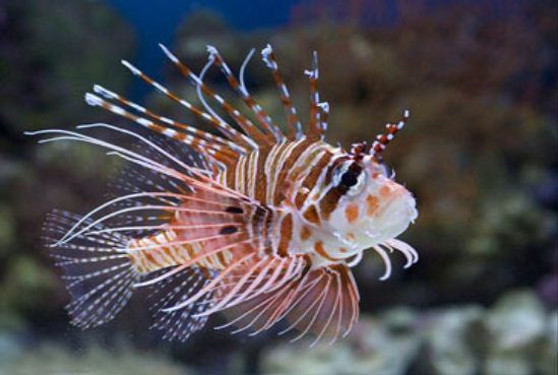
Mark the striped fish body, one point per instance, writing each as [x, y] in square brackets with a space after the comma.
[274, 178]
[261, 224]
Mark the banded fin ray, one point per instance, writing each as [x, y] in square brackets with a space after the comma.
[256, 137]
[267, 124]
[322, 301]
[180, 324]
[261, 276]
[220, 124]
[294, 126]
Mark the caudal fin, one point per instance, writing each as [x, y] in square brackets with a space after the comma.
[97, 269]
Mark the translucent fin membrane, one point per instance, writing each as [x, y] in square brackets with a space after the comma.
[97, 270]
[180, 324]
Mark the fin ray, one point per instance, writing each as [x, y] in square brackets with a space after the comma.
[320, 301]
[180, 324]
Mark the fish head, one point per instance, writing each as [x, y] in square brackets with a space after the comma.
[371, 206]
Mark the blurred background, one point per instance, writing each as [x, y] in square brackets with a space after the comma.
[479, 153]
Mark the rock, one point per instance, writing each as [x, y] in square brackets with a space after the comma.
[547, 354]
[516, 324]
[94, 360]
[384, 345]
[451, 339]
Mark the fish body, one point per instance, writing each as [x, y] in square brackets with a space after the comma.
[258, 222]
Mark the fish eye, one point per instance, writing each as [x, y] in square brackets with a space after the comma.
[351, 179]
[356, 182]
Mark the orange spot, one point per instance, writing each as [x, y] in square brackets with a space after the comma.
[319, 248]
[305, 233]
[371, 205]
[311, 214]
[351, 236]
[385, 191]
[343, 250]
[351, 213]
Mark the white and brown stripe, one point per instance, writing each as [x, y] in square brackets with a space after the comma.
[291, 175]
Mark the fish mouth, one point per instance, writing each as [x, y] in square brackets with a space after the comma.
[396, 216]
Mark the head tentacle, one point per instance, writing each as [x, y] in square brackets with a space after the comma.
[382, 140]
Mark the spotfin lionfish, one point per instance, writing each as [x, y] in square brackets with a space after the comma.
[257, 222]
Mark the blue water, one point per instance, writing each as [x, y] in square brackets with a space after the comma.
[156, 22]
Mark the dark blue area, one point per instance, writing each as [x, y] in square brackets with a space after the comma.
[156, 22]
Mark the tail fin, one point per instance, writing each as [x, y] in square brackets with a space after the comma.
[97, 269]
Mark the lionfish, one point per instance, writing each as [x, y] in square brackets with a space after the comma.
[257, 222]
